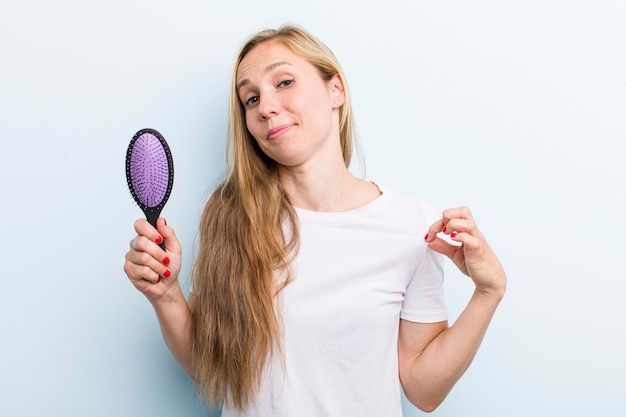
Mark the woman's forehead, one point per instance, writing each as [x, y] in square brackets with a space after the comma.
[265, 57]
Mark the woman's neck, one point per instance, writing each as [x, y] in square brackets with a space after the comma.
[332, 189]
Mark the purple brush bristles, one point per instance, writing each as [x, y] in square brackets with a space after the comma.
[149, 170]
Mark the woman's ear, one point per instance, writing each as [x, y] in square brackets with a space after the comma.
[337, 91]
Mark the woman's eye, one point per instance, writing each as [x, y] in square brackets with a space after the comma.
[285, 83]
[252, 100]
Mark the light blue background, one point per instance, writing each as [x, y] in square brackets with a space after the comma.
[514, 109]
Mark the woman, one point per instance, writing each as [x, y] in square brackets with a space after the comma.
[313, 291]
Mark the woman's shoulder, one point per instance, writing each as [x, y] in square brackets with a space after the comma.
[408, 204]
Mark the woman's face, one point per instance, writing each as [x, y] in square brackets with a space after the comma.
[289, 109]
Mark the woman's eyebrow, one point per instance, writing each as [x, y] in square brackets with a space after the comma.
[269, 68]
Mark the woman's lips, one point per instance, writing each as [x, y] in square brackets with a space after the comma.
[278, 131]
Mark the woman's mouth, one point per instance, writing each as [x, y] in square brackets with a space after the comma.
[278, 131]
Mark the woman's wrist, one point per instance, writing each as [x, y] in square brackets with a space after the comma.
[173, 295]
[490, 294]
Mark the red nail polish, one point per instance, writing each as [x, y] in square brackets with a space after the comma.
[167, 273]
[453, 234]
[159, 240]
[444, 229]
[166, 261]
[158, 280]
[426, 237]
[164, 221]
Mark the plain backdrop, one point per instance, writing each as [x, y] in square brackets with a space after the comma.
[515, 109]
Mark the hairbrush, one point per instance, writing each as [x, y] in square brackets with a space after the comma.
[149, 172]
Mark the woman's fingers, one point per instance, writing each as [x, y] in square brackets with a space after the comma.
[473, 257]
[146, 261]
[454, 252]
[439, 245]
[455, 222]
[148, 264]
[169, 237]
[458, 220]
[462, 212]
[145, 229]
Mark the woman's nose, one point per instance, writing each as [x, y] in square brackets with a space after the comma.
[268, 106]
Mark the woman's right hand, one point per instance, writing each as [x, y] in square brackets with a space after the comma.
[152, 270]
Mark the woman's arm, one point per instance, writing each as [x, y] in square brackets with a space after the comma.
[154, 272]
[174, 317]
[433, 356]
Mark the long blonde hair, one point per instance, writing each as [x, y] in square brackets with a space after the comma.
[248, 232]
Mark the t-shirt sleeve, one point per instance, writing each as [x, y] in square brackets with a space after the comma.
[424, 298]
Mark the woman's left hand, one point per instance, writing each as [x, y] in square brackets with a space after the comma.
[473, 257]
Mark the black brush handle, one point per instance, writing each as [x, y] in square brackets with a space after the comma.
[152, 214]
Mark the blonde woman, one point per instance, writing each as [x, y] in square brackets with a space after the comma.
[314, 292]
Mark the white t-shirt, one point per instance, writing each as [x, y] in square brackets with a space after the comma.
[356, 274]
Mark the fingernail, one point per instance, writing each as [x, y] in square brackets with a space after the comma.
[444, 229]
[158, 280]
[166, 261]
[159, 240]
[453, 234]
[165, 221]
[167, 273]
[426, 237]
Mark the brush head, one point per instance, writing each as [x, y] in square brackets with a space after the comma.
[149, 171]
